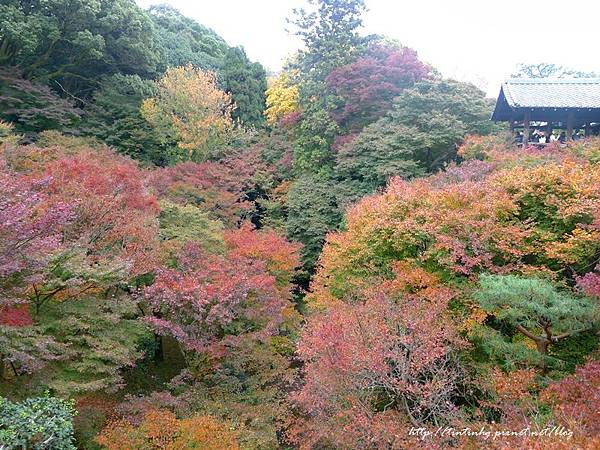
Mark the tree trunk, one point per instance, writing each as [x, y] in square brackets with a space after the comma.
[542, 347]
[159, 355]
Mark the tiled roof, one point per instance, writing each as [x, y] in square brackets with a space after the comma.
[552, 93]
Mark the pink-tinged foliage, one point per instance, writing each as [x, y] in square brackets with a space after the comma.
[522, 216]
[339, 143]
[15, 316]
[375, 368]
[33, 106]
[134, 408]
[290, 119]
[280, 256]
[211, 302]
[575, 403]
[115, 216]
[215, 187]
[590, 283]
[576, 399]
[72, 221]
[368, 85]
[468, 171]
[30, 229]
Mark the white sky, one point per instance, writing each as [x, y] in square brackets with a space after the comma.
[472, 40]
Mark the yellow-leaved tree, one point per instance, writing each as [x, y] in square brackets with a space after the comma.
[190, 112]
[282, 98]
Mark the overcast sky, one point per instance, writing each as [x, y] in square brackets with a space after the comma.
[471, 40]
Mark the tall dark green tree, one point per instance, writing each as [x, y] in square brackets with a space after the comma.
[71, 44]
[246, 82]
[181, 40]
[312, 212]
[114, 117]
[329, 31]
[314, 136]
[330, 34]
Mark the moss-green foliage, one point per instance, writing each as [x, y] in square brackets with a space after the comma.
[88, 424]
[381, 150]
[574, 351]
[102, 336]
[313, 140]
[509, 351]
[189, 223]
[37, 423]
[100, 67]
[528, 301]
[181, 40]
[68, 143]
[7, 135]
[72, 44]
[419, 135]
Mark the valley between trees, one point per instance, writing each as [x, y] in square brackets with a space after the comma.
[196, 255]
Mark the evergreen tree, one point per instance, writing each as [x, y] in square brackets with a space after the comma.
[70, 44]
[536, 310]
[312, 212]
[330, 36]
[331, 39]
[181, 40]
[114, 117]
[246, 82]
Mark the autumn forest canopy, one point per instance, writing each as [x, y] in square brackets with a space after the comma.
[347, 254]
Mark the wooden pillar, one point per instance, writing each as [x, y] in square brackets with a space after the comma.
[526, 128]
[570, 120]
[588, 129]
[548, 131]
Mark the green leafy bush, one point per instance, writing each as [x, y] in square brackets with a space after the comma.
[37, 423]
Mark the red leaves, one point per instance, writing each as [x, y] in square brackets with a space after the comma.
[391, 356]
[280, 256]
[15, 316]
[114, 211]
[215, 187]
[369, 84]
[30, 229]
[211, 300]
[590, 283]
[576, 398]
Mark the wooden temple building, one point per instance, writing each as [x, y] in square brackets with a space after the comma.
[550, 104]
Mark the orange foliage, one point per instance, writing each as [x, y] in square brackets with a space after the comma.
[280, 255]
[161, 430]
[532, 216]
[204, 432]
